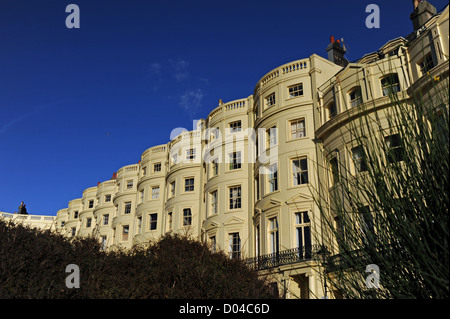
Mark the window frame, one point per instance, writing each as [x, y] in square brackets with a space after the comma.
[153, 221]
[300, 171]
[387, 87]
[235, 160]
[187, 218]
[270, 100]
[157, 167]
[127, 208]
[155, 193]
[235, 126]
[189, 184]
[357, 99]
[234, 202]
[295, 93]
[297, 130]
[234, 241]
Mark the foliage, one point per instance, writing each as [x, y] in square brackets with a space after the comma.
[33, 263]
[394, 213]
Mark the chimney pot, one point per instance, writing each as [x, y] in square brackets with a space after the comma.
[331, 39]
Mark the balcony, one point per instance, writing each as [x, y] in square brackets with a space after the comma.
[284, 257]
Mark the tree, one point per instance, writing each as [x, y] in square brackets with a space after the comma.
[392, 214]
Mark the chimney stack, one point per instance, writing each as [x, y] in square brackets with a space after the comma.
[423, 11]
[336, 52]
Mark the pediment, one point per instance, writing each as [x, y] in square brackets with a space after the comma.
[211, 225]
[272, 203]
[234, 220]
[299, 198]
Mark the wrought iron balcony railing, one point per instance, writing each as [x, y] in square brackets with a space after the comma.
[284, 257]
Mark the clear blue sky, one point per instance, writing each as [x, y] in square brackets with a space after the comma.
[136, 69]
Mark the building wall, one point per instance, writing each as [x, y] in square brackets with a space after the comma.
[235, 205]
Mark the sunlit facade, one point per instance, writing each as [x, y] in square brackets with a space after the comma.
[242, 179]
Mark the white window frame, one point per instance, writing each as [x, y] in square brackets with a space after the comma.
[270, 100]
[155, 192]
[234, 197]
[189, 184]
[297, 128]
[295, 90]
[297, 181]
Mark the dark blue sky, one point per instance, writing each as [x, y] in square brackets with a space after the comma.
[136, 70]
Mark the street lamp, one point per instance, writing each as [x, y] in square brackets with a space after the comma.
[324, 254]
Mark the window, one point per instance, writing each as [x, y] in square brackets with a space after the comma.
[153, 221]
[334, 166]
[303, 234]
[273, 178]
[235, 197]
[141, 196]
[144, 171]
[257, 195]
[214, 133]
[190, 154]
[88, 222]
[366, 225]
[213, 202]
[75, 214]
[105, 219]
[91, 204]
[300, 171]
[127, 208]
[273, 235]
[394, 151]
[129, 184]
[390, 84]
[332, 111]
[63, 223]
[270, 100]
[426, 64]
[234, 246]
[103, 242]
[139, 223]
[107, 198]
[296, 90]
[235, 160]
[169, 221]
[187, 217]
[215, 167]
[74, 231]
[271, 137]
[189, 184]
[172, 189]
[355, 97]
[235, 127]
[125, 231]
[359, 159]
[157, 167]
[155, 192]
[212, 241]
[297, 128]
[174, 159]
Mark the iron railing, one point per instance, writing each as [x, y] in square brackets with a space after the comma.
[284, 257]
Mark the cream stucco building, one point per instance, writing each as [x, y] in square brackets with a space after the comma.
[242, 179]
